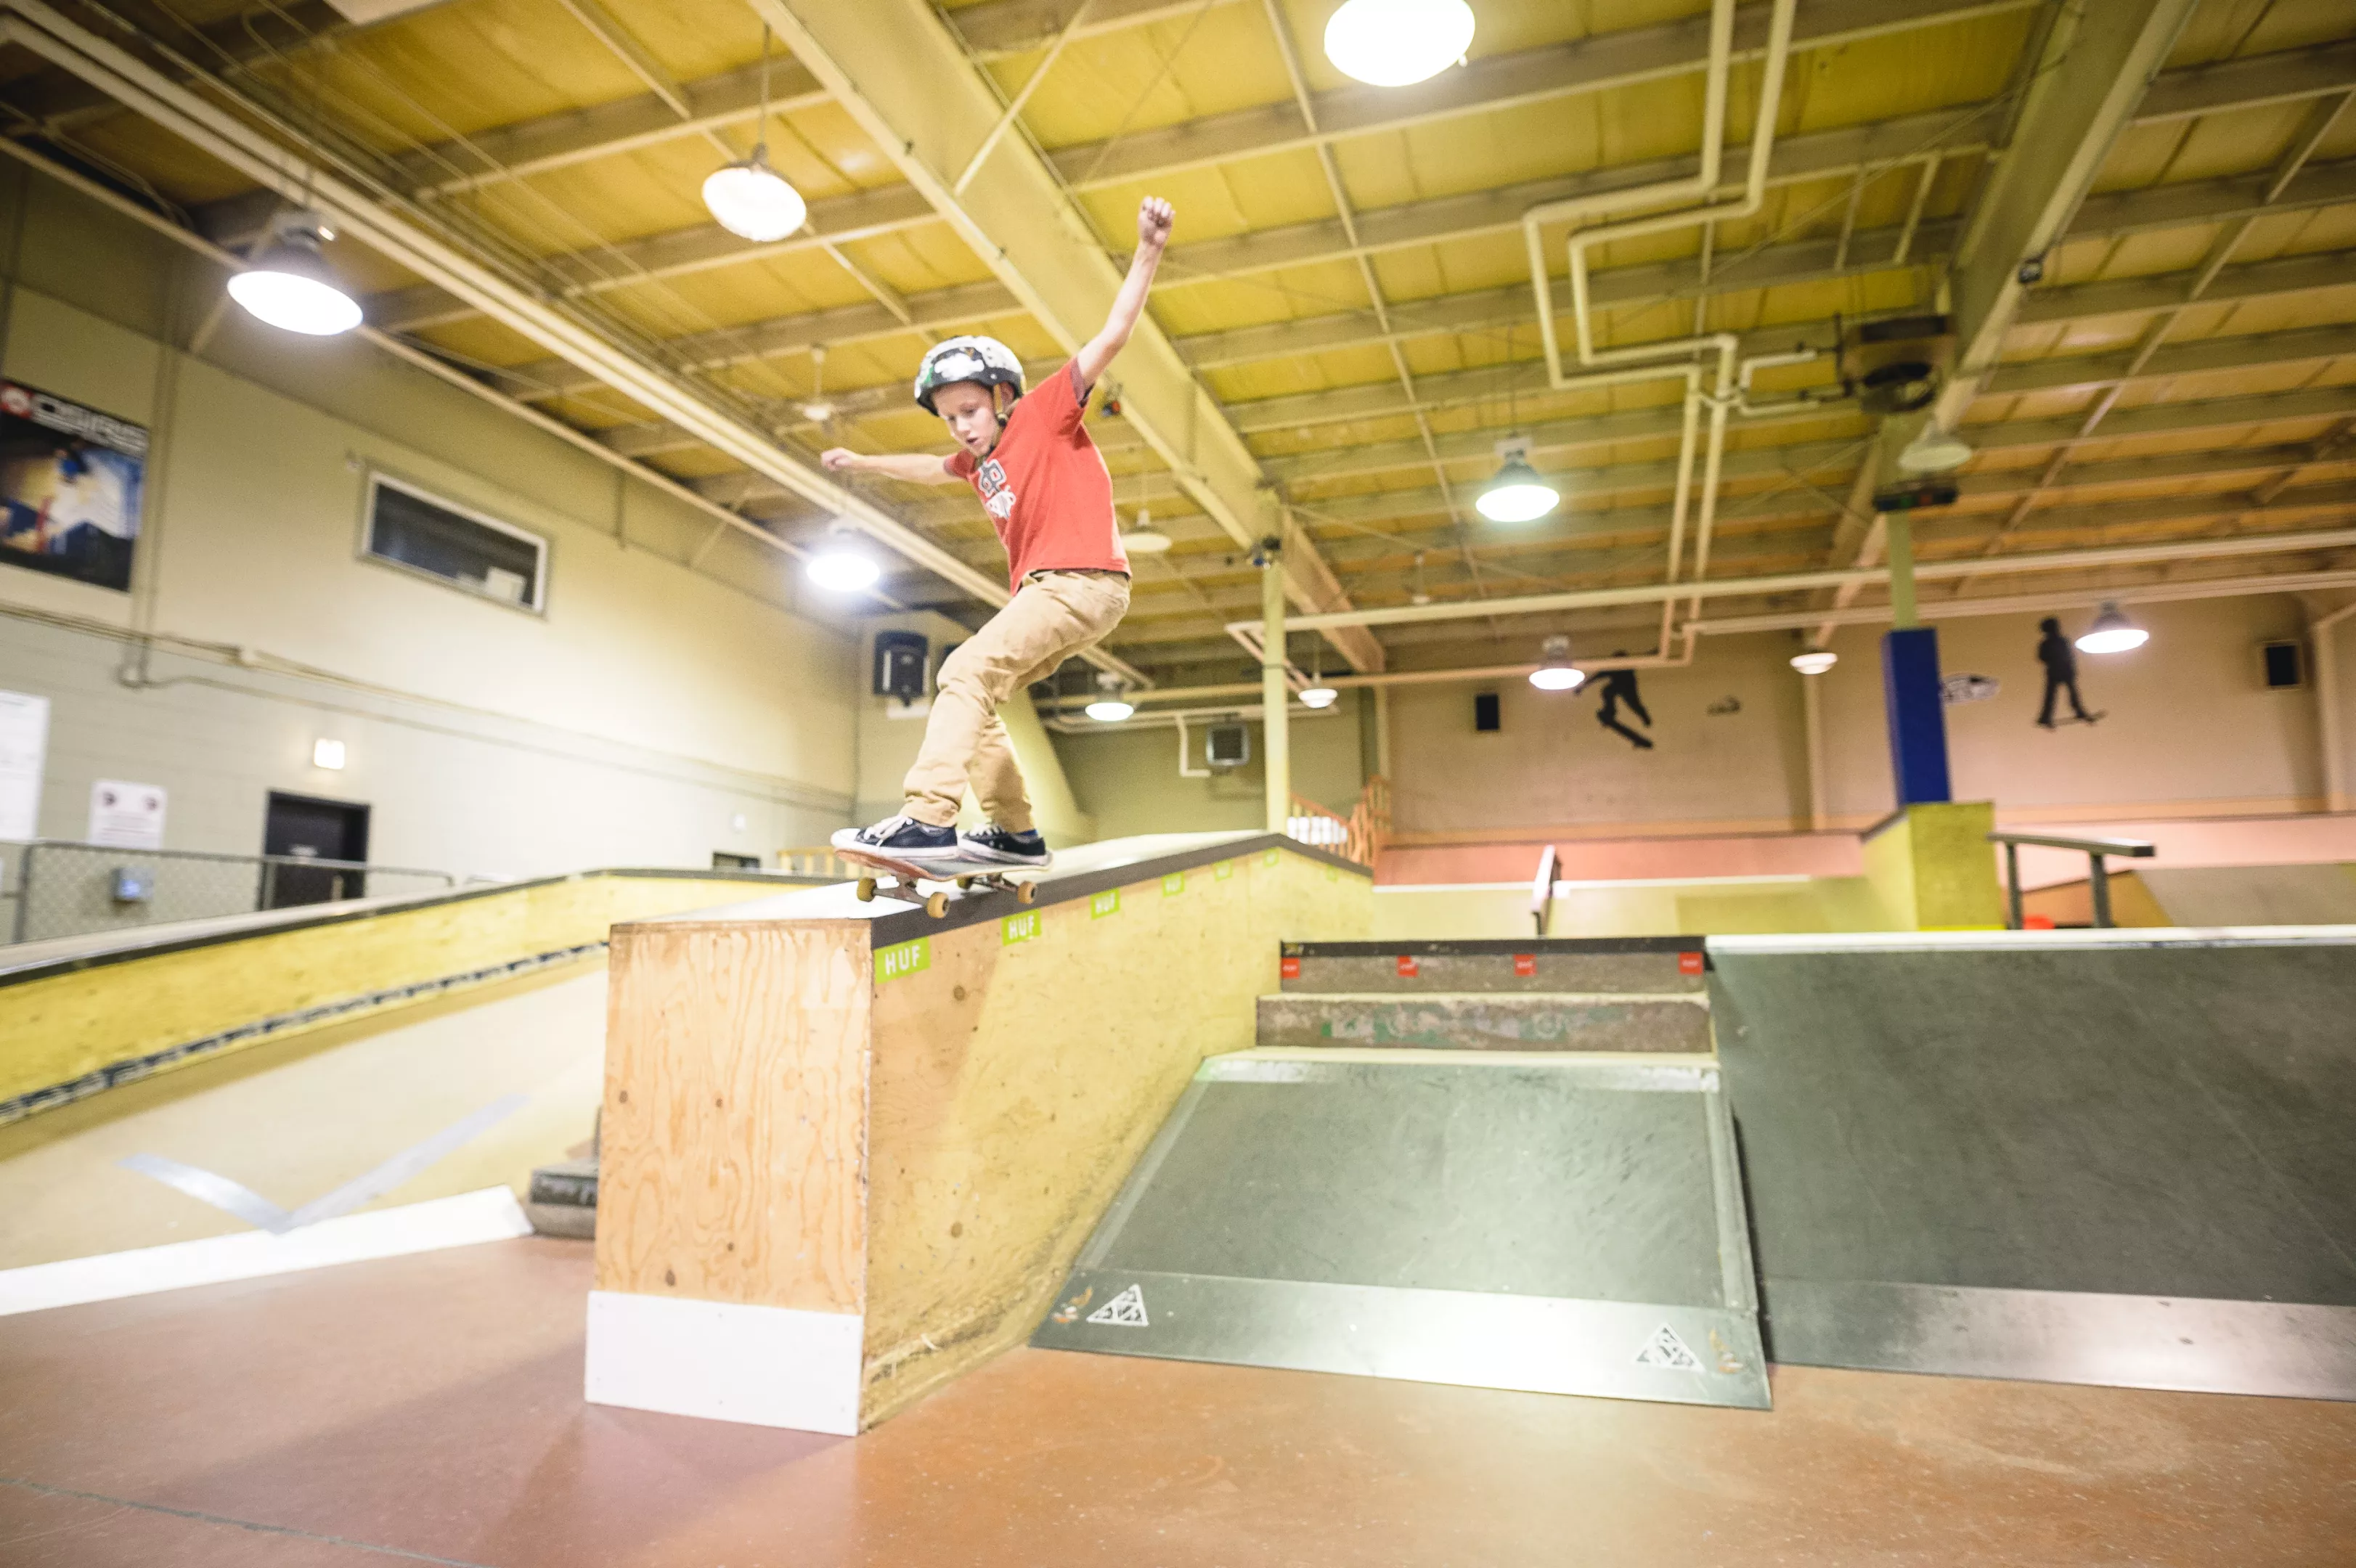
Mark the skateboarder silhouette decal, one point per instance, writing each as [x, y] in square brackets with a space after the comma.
[2061, 662]
[1619, 686]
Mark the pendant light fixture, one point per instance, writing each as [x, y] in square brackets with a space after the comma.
[1517, 495]
[2112, 632]
[1814, 661]
[1112, 705]
[1396, 43]
[748, 197]
[289, 284]
[1317, 694]
[840, 566]
[1144, 539]
[1557, 673]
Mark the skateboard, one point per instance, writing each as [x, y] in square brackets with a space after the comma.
[904, 875]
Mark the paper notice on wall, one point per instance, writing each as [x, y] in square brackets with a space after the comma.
[126, 816]
[24, 746]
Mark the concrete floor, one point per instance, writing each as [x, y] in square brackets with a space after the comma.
[295, 1118]
[428, 1409]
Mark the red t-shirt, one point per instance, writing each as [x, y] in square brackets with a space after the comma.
[1046, 486]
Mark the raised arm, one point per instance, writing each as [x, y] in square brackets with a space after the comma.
[1154, 218]
[916, 467]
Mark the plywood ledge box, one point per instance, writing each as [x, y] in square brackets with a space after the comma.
[849, 1155]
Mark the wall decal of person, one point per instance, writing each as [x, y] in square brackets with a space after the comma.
[2061, 662]
[1620, 685]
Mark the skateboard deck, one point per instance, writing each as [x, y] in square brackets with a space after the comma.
[987, 875]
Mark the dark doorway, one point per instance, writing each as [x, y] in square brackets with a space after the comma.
[309, 829]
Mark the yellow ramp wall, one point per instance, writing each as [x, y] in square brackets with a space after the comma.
[60, 1028]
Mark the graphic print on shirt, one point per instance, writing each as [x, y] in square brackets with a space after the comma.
[996, 498]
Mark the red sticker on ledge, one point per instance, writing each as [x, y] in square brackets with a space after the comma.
[1406, 966]
[1525, 965]
[1688, 963]
[1290, 968]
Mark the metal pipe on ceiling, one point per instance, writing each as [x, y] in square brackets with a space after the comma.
[1801, 581]
[269, 161]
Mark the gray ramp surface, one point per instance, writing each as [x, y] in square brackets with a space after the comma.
[2129, 1164]
[1568, 1226]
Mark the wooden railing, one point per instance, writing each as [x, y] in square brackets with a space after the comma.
[1359, 836]
[820, 861]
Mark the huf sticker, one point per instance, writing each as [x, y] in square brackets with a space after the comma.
[1408, 967]
[1017, 928]
[904, 958]
[1104, 903]
[1223, 870]
[1126, 1310]
[1690, 963]
[1525, 965]
[1288, 967]
[1173, 884]
[1269, 858]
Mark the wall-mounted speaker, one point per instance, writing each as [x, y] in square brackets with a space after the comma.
[1226, 745]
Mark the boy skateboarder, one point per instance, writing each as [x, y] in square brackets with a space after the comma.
[1044, 485]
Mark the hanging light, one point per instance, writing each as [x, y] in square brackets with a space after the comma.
[748, 197]
[1934, 451]
[1319, 695]
[1394, 43]
[1144, 539]
[1557, 673]
[817, 411]
[2112, 632]
[840, 566]
[1112, 704]
[290, 285]
[1517, 495]
[1814, 661]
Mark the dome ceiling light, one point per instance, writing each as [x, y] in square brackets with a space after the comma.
[289, 283]
[1397, 43]
[1814, 661]
[749, 199]
[840, 566]
[2112, 632]
[1518, 494]
[1557, 673]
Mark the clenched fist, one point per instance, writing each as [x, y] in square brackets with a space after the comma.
[838, 459]
[1154, 218]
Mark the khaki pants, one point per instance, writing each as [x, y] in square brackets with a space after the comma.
[1052, 617]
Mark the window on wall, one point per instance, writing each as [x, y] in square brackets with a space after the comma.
[464, 549]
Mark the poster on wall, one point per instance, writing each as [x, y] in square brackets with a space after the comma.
[126, 816]
[24, 745]
[70, 485]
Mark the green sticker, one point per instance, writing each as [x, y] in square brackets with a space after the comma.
[1017, 928]
[1269, 858]
[1173, 884]
[1331, 874]
[1104, 903]
[907, 958]
[1223, 870]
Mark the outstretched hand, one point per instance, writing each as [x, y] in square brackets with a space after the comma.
[837, 459]
[1154, 220]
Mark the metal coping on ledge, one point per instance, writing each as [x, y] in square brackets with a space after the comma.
[134, 1068]
[80, 961]
[901, 925]
[1492, 947]
[2000, 941]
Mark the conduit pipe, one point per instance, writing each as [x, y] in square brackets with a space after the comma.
[2093, 557]
[1730, 384]
[268, 162]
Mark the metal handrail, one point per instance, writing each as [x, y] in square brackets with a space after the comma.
[2096, 851]
[267, 865]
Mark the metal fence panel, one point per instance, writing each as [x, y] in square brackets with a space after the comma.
[64, 889]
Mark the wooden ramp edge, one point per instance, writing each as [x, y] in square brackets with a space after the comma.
[850, 1151]
[78, 1025]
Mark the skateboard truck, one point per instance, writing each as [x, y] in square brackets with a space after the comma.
[902, 877]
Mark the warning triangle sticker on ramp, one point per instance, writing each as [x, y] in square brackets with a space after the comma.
[1127, 1310]
[1666, 1349]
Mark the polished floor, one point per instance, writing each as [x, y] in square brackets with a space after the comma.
[428, 1409]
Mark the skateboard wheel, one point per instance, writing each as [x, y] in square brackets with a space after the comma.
[865, 890]
[937, 905]
[1026, 893]
[964, 882]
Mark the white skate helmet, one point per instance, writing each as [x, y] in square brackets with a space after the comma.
[970, 359]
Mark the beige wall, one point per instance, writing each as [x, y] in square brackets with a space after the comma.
[652, 706]
[1126, 775]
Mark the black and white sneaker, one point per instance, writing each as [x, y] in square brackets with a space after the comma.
[903, 839]
[997, 845]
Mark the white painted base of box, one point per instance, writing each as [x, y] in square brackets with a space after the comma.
[765, 1366]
